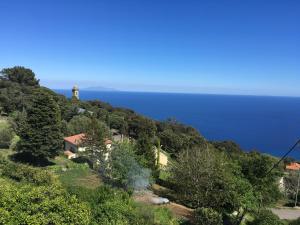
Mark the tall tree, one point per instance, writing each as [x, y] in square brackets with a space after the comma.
[40, 134]
[21, 75]
[206, 178]
[94, 141]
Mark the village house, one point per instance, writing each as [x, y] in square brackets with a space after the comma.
[161, 158]
[74, 144]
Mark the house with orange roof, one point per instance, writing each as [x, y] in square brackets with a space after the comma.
[74, 144]
[293, 166]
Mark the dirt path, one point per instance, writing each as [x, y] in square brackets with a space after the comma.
[287, 213]
[178, 210]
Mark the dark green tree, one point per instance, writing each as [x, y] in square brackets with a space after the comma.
[78, 124]
[265, 217]
[207, 216]
[255, 167]
[94, 141]
[40, 133]
[21, 75]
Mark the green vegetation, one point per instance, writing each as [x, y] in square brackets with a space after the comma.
[7, 134]
[266, 217]
[208, 216]
[218, 180]
[40, 132]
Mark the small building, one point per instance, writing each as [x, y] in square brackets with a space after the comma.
[75, 92]
[74, 144]
[293, 166]
[162, 158]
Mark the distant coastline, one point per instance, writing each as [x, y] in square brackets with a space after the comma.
[269, 124]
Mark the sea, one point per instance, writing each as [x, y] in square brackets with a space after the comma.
[266, 124]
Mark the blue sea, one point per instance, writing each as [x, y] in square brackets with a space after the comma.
[266, 124]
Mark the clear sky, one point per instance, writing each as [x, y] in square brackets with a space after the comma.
[212, 46]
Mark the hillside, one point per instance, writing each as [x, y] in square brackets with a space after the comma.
[209, 182]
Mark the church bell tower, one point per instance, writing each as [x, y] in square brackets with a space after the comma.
[75, 92]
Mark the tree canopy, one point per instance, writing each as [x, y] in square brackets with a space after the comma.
[40, 133]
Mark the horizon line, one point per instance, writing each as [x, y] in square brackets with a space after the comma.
[183, 93]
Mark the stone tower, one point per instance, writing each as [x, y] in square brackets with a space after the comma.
[75, 91]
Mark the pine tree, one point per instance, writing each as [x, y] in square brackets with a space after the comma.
[40, 134]
[94, 139]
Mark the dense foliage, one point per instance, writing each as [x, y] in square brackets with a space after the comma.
[266, 217]
[208, 216]
[40, 132]
[218, 179]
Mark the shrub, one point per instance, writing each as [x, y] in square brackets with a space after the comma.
[112, 206]
[6, 134]
[28, 204]
[266, 217]
[295, 222]
[207, 216]
[27, 173]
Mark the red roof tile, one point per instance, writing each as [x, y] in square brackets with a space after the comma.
[75, 139]
[293, 166]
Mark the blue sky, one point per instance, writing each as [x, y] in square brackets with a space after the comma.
[225, 46]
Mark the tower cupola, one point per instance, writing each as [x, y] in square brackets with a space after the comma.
[75, 91]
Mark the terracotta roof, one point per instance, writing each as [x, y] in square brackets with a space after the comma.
[293, 166]
[107, 142]
[75, 139]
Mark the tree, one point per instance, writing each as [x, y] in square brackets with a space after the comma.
[6, 134]
[124, 169]
[94, 139]
[201, 179]
[20, 75]
[40, 205]
[206, 178]
[146, 149]
[78, 124]
[265, 217]
[40, 134]
[254, 167]
[208, 216]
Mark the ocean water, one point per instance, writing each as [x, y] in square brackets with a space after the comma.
[266, 124]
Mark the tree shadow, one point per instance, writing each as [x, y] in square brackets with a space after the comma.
[27, 158]
[82, 160]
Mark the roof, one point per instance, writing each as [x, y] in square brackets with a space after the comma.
[293, 166]
[107, 142]
[75, 139]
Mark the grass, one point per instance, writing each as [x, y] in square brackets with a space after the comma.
[75, 174]
[69, 172]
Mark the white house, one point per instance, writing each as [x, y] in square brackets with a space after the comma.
[74, 144]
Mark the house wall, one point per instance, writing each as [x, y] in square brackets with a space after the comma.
[163, 158]
[70, 147]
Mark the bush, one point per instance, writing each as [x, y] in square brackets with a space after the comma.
[207, 216]
[266, 217]
[28, 204]
[112, 206]
[25, 173]
[295, 222]
[6, 134]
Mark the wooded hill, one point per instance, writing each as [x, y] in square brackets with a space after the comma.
[219, 181]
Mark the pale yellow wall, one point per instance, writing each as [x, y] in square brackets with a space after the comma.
[163, 158]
